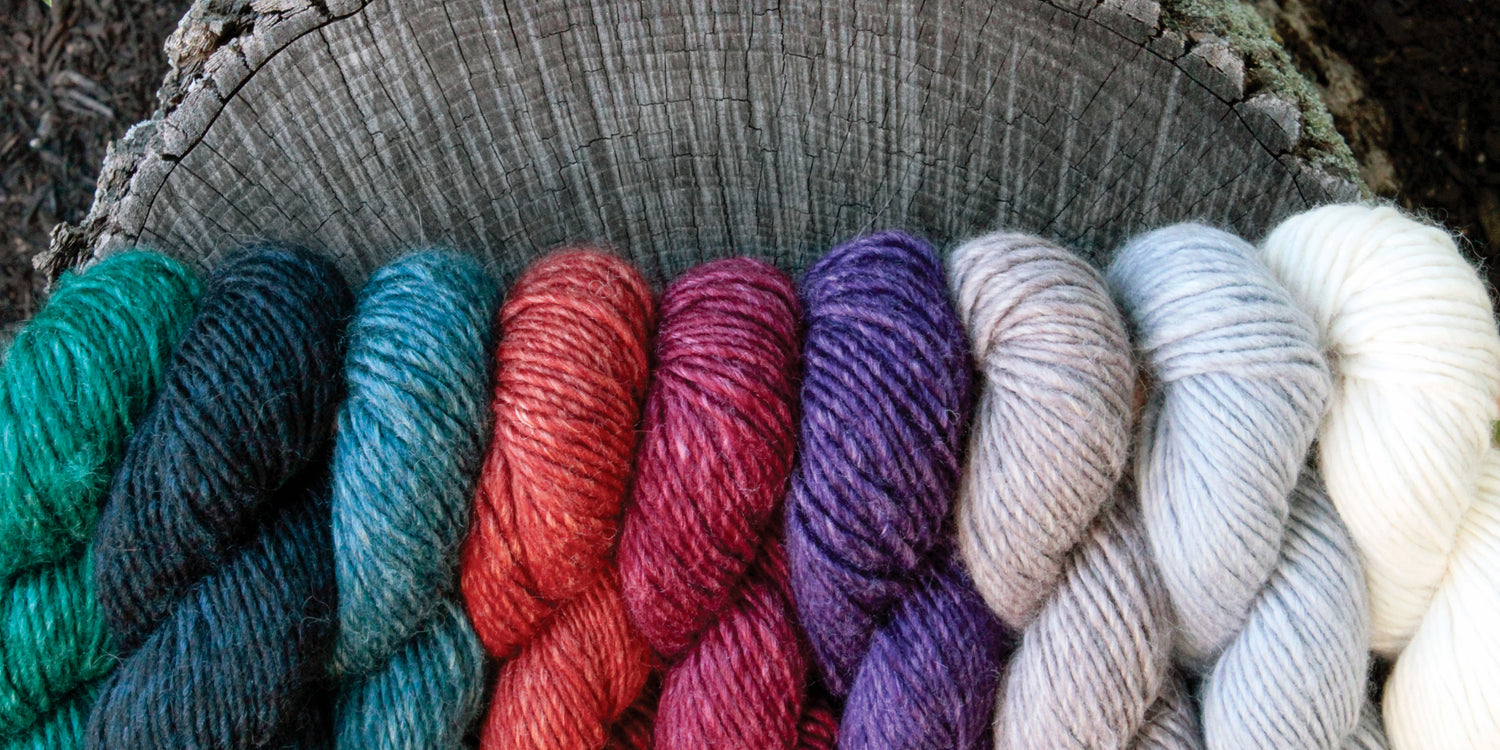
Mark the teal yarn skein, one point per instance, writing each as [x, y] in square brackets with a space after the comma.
[73, 383]
[411, 441]
[1265, 581]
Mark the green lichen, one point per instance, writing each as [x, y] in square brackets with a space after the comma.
[1268, 67]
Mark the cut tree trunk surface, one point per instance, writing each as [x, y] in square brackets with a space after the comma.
[683, 130]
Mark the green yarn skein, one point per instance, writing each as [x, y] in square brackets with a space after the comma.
[72, 385]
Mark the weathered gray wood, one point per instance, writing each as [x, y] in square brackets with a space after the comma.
[680, 130]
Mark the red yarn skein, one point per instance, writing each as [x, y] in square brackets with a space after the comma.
[701, 559]
[570, 374]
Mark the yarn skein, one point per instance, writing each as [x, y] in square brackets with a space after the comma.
[1052, 547]
[1408, 456]
[701, 562]
[1265, 581]
[227, 621]
[411, 437]
[570, 375]
[894, 621]
[74, 381]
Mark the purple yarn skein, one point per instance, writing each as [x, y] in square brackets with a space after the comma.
[896, 625]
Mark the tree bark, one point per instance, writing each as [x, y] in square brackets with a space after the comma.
[681, 130]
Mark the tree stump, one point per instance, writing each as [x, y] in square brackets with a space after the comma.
[681, 130]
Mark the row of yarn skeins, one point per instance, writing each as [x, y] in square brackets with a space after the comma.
[1008, 501]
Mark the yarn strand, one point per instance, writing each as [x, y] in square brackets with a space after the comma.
[897, 628]
[1264, 580]
[570, 377]
[411, 437]
[74, 382]
[1408, 456]
[702, 564]
[226, 623]
[1054, 541]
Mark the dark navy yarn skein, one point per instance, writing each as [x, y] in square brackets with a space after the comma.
[214, 564]
[897, 626]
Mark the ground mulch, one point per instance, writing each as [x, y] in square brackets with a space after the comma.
[75, 76]
[1414, 86]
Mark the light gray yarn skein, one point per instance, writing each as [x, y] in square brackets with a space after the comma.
[1264, 579]
[1053, 546]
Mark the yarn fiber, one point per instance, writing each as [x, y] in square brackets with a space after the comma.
[411, 438]
[1407, 453]
[214, 565]
[702, 564]
[1054, 549]
[895, 624]
[1264, 579]
[570, 375]
[74, 381]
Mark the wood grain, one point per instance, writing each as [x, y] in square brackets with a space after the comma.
[680, 130]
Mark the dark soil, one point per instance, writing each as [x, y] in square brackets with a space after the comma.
[1414, 86]
[76, 76]
[1435, 64]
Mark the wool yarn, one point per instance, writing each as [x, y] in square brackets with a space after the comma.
[819, 729]
[73, 383]
[1407, 453]
[570, 374]
[1057, 553]
[214, 566]
[1264, 579]
[410, 441]
[701, 559]
[897, 628]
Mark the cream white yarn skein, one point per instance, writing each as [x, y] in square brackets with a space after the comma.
[1407, 456]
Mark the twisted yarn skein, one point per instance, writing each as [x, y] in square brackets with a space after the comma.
[74, 381]
[1052, 547]
[214, 565]
[1408, 456]
[411, 437]
[570, 375]
[702, 565]
[1264, 579]
[894, 621]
